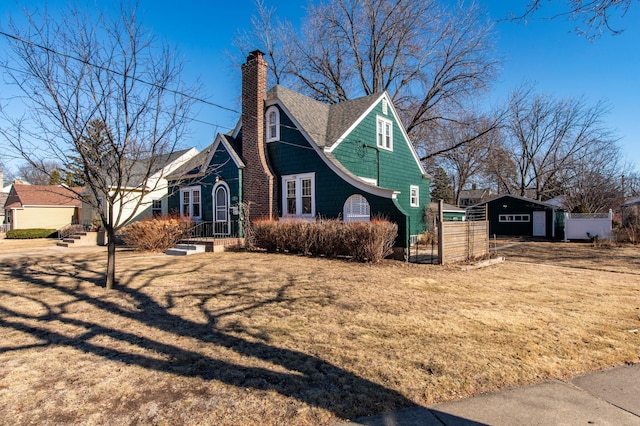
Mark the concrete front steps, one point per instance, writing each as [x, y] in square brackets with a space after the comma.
[81, 239]
[185, 249]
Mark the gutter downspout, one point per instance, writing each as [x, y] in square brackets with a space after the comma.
[364, 145]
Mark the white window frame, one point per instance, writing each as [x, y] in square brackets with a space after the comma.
[384, 133]
[274, 125]
[191, 190]
[414, 196]
[356, 209]
[514, 218]
[297, 183]
[155, 210]
[214, 196]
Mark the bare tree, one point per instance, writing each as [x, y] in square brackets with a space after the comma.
[468, 161]
[7, 174]
[430, 60]
[38, 174]
[548, 140]
[630, 182]
[103, 99]
[594, 15]
[594, 190]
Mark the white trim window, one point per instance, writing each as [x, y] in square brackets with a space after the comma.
[272, 123]
[220, 195]
[156, 208]
[514, 218]
[414, 196]
[384, 133]
[190, 202]
[356, 209]
[299, 198]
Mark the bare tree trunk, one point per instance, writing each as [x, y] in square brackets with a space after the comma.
[111, 260]
[103, 101]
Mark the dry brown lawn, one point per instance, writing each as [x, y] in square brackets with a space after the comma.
[246, 338]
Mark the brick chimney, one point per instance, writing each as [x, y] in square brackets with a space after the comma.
[258, 179]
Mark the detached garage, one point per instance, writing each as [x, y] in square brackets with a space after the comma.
[513, 215]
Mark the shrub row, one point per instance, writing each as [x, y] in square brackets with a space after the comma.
[24, 234]
[363, 241]
[156, 234]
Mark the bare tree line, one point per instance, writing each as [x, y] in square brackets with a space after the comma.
[434, 62]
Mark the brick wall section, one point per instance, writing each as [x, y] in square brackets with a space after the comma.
[258, 179]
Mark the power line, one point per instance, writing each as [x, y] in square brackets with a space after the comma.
[101, 67]
[83, 61]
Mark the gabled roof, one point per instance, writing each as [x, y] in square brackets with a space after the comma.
[43, 195]
[199, 164]
[324, 123]
[551, 206]
[475, 193]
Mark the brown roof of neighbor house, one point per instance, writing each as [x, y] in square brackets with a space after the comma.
[42, 195]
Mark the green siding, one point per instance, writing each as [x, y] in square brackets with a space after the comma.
[293, 155]
[222, 167]
[397, 169]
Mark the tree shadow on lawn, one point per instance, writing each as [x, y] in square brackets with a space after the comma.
[308, 378]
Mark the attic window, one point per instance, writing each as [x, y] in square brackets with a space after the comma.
[384, 107]
[384, 134]
[273, 124]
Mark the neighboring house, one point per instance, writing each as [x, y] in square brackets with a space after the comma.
[473, 196]
[291, 157]
[40, 206]
[143, 201]
[631, 211]
[513, 215]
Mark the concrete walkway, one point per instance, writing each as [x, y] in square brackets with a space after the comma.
[609, 397]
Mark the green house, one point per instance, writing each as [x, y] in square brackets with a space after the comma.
[292, 157]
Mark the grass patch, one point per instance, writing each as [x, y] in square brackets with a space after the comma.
[246, 338]
[25, 234]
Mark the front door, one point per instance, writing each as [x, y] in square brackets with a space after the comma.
[539, 224]
[221, 210]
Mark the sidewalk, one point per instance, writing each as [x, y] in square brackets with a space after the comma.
[609, 397]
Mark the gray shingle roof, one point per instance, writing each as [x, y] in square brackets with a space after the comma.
[196, 165]
[323, 123]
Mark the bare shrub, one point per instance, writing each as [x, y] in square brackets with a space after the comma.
[363, 241]
[629, 234]
[370, 241]
[264, 235]
[156, 234]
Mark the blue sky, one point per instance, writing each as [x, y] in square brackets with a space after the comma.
[544, 52]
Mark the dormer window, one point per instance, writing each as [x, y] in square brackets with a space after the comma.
[273, 124]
